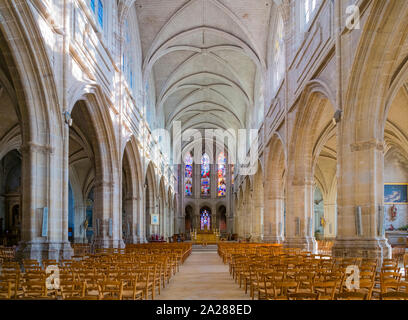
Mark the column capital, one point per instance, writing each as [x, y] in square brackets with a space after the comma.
[302, 181]
[37, 148]
[132, 198]
[103, 183]
[367, 145]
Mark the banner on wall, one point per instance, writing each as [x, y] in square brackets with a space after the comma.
[44, 230]
[154, 219]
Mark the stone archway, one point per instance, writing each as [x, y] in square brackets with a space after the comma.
[222, 219]
[151, 206]
[188, 221]
[274, 198]
[10, 198]
[92, 145]
[314, 120]
[132, 211]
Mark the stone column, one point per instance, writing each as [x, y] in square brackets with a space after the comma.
[250, 216]
[79, 230]
[42, 166]
[330, 218]
[273, 218]
[109, 234]
[258, 206]
[360, 184]
[299, 216]
[133, 217]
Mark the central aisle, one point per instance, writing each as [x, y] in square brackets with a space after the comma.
[203, 277]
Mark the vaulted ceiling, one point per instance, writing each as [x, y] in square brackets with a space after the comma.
[205, 58]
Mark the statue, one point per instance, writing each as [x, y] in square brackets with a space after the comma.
[393, 213]
[323, 222]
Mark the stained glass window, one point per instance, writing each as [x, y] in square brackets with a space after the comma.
[188, 177]
[127, 67]
[92, 3]
[205, 175]
[222, 165]
[205, 220]
[279, 55]
[310, 6]
[100, 13]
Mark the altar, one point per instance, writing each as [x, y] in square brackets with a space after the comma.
[205, 236]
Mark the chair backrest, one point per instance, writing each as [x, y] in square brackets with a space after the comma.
[303, 296]
[350, 296]
[112, 290]
[394, 296]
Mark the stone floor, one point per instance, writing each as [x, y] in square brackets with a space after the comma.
[203, 277]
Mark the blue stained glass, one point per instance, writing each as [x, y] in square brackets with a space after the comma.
[205, 220]
[188, 182]
[205, 175]
[222, 186]
[100, 13]
[92, 2]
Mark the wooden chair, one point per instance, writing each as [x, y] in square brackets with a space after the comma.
[72, 290]
[266, 289]
[283, 288]
[326, 289]
[110, 290]
[47, 263]
[303, 296]
[305, 280]
[394, 296]
[351, 296]
[5, 290]
[390, 280]
[405, 262]
[146, 283]
[130, 287]
[14, 278]
[154, 276]
[35, 290]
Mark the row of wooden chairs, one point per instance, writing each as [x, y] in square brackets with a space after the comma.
[287, 275]
[132, 275]
[324, 246]
[7, 254]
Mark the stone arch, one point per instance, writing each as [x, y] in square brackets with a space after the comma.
[314, 117]
[222, 219]
[132, 195]
[315, 114]
[258, 204]
[274, 198]
[378, 61]
[188, 213]
[369, 90]
[170, 215]
[100, 137]
[151, 205]
[163, 207]
[24, 53]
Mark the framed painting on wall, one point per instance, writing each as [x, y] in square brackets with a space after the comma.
[396, 193]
